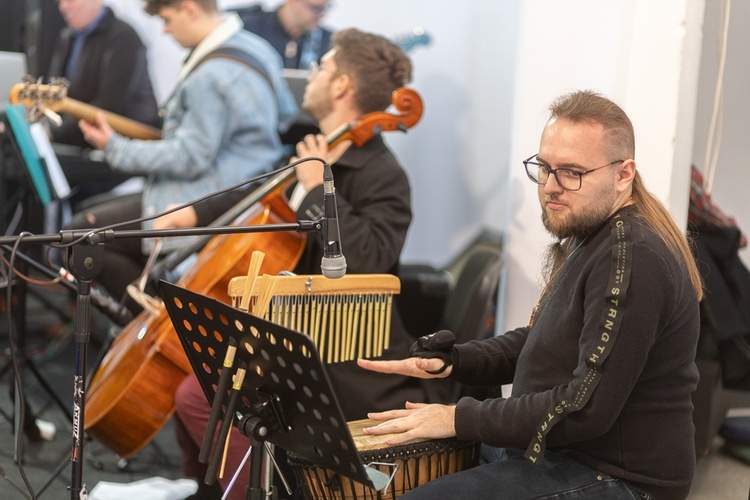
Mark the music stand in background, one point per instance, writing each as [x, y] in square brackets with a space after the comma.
[285, 393]
[38, 184]
[42, 167]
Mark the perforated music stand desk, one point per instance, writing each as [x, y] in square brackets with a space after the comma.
[280, 362]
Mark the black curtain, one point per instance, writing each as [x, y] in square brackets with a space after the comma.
[42, 27]
[12, 16]
[31, 26]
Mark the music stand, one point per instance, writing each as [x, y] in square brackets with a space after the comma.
[286, 384]
[29, 146]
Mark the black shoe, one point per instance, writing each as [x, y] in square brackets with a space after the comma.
[207, 492]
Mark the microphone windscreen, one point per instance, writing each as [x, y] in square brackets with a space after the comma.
[333, 267]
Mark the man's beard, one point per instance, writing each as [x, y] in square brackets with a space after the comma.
[580, 224]
[576, 227]
[318, 110]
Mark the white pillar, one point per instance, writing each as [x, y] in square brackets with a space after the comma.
[642, 54]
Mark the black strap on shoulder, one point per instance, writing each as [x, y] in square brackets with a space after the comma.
[240, 56]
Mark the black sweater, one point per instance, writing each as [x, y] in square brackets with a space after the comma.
[635, 418]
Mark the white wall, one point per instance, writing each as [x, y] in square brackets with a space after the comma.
[640, 53]
[486, 79]
[733, 171]
[457, 156]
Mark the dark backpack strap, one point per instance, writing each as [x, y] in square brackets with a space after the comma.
[240, 56]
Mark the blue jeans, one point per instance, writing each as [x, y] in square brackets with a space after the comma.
[511, 476]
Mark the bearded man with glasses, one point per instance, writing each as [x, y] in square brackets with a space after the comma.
[603, 373]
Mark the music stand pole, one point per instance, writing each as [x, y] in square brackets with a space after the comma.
[255, 490]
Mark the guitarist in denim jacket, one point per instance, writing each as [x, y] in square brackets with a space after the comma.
[221, 127]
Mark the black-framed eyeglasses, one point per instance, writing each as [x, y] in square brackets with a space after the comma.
[570, 180]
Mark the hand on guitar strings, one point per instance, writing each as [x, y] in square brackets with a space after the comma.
[184, 217]
[98, 133]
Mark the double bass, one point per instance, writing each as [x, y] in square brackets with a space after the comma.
[131, 395]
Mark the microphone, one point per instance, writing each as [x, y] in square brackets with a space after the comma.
[333, 264]
[118, 313]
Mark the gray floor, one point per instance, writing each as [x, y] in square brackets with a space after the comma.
[720, 477]
[47, 464]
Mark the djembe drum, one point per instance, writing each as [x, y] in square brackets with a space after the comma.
[411, 465]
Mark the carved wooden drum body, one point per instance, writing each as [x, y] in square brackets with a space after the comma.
[414, 464]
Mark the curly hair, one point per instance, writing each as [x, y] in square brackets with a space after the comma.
[375, 65]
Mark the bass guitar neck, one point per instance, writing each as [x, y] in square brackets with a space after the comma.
[125, 126]
[53, 97]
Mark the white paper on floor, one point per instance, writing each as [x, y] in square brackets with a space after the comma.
[153, 488]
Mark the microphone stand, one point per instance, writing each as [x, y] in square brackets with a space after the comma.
[84, 261]
[118, 314]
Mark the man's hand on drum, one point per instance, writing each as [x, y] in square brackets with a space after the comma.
[416, 421]
[411, 367]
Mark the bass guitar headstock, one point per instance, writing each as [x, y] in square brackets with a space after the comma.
[39, 98]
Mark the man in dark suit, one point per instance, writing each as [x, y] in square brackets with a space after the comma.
[105, 63]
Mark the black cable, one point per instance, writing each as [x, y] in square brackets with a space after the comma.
[21, 399]
[17, 214]
[190, 203]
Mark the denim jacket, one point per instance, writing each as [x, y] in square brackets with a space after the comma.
[221, 127]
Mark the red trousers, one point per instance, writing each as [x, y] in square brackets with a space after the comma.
[191, 419]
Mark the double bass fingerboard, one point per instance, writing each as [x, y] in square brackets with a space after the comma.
[347, 318]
